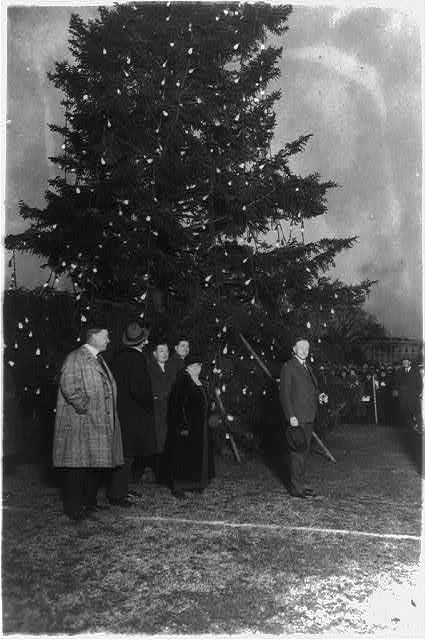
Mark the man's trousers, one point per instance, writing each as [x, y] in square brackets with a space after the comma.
[296, 460]
[118, 485]
[80, 488]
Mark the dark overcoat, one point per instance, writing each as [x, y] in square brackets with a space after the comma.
[174, 365]
[161, 382]
[87, 427]
[189, 448]
[409, 385]
[298, 391]
[135, 402]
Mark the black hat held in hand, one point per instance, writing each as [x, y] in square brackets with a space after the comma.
[296, 438]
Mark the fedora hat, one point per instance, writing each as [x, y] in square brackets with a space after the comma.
[134, 334]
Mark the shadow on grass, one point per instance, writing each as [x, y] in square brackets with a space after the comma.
[270, 434]
[412, 444]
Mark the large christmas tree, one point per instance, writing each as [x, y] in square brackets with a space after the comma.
[167, 180]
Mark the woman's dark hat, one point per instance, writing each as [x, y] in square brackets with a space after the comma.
[193, 357]
[156, 338]
[134, 335]
[296, 438]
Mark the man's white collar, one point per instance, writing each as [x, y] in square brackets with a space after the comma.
[92, 349]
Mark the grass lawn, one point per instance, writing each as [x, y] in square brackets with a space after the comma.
[244, 557]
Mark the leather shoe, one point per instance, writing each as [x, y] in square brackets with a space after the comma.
[96, 507]
[309, 492]
[76, 516]
[179, 493]
[135, 494]
[309, 495]
[121, 502]
[297, 494]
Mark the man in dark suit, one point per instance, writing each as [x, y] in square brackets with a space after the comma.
[135, 406]
[298, 396]
[409, 385]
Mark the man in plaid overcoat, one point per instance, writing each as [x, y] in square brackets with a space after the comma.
[87, 435]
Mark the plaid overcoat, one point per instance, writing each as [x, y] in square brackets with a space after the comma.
[87, 429]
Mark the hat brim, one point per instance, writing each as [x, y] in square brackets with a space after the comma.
[194, 358]
[132, 343]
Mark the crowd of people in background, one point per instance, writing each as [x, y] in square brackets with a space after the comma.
[388, 394]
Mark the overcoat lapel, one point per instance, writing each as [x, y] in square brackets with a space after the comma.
[311, 373]
[308, 370]
[104, 369]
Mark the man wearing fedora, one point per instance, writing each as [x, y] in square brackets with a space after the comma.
[135, 406]
[298, 396]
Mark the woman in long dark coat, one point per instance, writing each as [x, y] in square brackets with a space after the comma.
[189, 446]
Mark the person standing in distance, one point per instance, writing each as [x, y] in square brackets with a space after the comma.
[87, 436]
[298, 396]
[409, 386]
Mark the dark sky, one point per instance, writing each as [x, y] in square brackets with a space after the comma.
[351, 76]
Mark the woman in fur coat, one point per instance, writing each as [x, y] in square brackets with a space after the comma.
[189, 446]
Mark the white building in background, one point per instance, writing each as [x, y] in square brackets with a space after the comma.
[393, 350]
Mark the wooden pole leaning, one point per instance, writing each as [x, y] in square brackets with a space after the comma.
[373, 380]
[228, 435]
[264, 368]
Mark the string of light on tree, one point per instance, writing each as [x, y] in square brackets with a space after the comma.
[181, 93]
